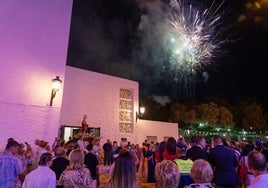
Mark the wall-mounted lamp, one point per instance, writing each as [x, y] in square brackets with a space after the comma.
[56, 83]
[139, 114]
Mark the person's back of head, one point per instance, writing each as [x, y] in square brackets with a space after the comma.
[257, 162]
[182, 148]
[10, 139]
[13, 146]
[124, 174]
[76, 159]
[45, 158]
[201, 141]
[162, 146]
[247, 148]
[171, 145]
[193, 139]
[217, 140]
[12, 143]
[43, 144]
[167, 174]
[90, 146]
[60, 152]
[201, 171]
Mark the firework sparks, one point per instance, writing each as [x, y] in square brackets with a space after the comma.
[191, 40]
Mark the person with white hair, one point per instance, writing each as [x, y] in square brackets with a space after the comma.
[257, 165]
[167, 174]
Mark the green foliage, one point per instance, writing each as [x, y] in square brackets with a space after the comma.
[182, 113]
[225, 117]
[209, 113]
[242, 113]
[253, 117]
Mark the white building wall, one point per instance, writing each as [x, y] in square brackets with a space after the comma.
[33, 50]
[97, 96]
[160, 130]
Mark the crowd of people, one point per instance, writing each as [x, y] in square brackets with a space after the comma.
[169, 164]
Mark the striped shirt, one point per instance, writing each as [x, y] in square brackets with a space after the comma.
[10, 168]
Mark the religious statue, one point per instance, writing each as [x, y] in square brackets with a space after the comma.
[84, 124]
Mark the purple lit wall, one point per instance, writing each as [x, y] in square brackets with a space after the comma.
[33, 49]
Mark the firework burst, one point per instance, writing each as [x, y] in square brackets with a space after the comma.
[191, 41]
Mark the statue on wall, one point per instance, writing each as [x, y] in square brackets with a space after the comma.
[84, 124]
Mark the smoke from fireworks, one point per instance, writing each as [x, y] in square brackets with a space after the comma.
[162, 44]
[191, 42]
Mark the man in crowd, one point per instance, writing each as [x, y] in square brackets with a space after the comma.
[10, 165]
[107, 148]
[184, 165]
[60, 162]
[43, 176]
[198, 151]
[224, 163]
[257, 165]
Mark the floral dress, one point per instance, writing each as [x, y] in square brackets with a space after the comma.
[200, 185]
[80, 178]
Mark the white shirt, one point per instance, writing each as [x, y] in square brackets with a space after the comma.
[42, 177]
[261, 181]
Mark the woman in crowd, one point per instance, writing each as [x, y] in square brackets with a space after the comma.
[124, 173]
[143, 167]
[97, 148]
[29, 159]
[151, 163]
[76, 175]
[202, 174]
[159, 153]
[92, 162]
[138, 154]
[167, 174]
[170, 152]
[115, 156]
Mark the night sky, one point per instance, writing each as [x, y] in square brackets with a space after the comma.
[106, 37]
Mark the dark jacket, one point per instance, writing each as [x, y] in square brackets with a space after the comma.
[59, 164]
[107, 147]
[224, 163]
[196, 152]
[91, 163]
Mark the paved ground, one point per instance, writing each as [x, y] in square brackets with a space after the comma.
[104, 170]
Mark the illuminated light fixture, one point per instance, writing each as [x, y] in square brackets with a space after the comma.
[139, 114]
[56, 83]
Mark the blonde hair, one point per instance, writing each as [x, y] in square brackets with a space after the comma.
[124, 174]
[76, 159]
[167, 174]
[201, 171]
